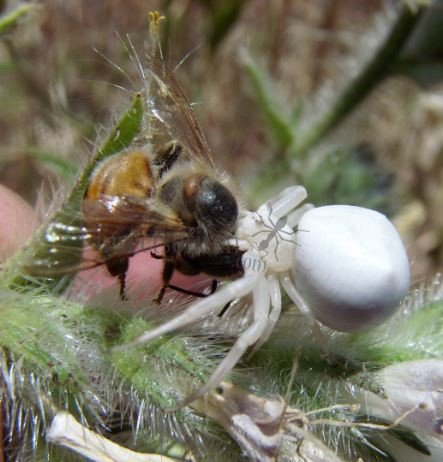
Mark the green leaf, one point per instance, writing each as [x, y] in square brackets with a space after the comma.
[10, 19]
[120, 137]
[279, 126]
[371, 75]
[51, 248]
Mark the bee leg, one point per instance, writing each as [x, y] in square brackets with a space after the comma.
[168, 271]
[167, 156]
[160, 295]
[118, 268]
[214, 285]
[122, 280]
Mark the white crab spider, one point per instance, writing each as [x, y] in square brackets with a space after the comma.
[275, 253]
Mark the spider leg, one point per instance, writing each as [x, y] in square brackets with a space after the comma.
[270, 212]
[274, 226]
[300, 303]
[275, 295]
[294, 216]
[286, 201]
[197, 310]
[247, 338]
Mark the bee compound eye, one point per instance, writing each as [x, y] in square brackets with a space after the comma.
[220, 389]
[350, 266]
[211, 201]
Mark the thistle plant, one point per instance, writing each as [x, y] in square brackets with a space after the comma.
[66, 395]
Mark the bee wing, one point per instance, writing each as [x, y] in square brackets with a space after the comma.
[73, 259]
[70, 245]
[116, 212]
[170, 113]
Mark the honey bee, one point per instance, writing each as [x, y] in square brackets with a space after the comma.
[171, 197]
[164, 188]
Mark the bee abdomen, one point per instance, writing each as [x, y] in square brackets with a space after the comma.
[127, 174]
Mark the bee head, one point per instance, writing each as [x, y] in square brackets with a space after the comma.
[211, 203]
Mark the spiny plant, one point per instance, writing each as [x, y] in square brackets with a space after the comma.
[373, 398]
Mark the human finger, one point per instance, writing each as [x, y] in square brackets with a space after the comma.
[17, 222]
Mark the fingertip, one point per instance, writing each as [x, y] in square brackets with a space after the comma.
[17, 222]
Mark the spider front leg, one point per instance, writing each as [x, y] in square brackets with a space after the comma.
[252, 335]
[275, 296]
[198, 310]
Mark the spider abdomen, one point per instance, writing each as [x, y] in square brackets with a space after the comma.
[350, 266]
